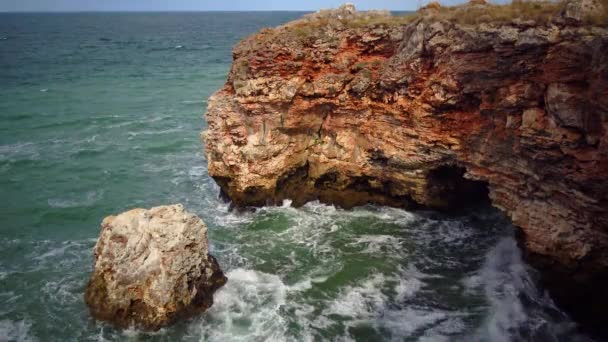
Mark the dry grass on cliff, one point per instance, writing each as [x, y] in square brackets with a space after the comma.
[387, 21]
[600, 18]
[315, 27]
[472, 13]
[475, 12]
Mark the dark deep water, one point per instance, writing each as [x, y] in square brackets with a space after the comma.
[102, 112]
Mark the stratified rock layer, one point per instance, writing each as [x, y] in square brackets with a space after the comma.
[351, 108]
[152, 267]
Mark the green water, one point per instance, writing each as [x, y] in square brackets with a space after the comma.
[101, 113]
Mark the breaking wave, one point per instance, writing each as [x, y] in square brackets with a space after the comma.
[374, 273]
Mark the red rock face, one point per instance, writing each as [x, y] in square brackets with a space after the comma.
[350, 113]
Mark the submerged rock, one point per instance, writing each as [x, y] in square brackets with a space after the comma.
[152, 267]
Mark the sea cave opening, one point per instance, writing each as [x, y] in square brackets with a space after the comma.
[448, 189]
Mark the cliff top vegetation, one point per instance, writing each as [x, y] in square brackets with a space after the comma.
[585, 12]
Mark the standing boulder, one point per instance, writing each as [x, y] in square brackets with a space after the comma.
[575, 11]
[151, 268]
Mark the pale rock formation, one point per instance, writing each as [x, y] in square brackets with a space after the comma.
[152, 267]
[577, 10]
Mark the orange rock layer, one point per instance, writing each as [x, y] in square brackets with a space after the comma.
[351, 108]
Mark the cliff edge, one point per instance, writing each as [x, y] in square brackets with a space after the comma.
[435, 109]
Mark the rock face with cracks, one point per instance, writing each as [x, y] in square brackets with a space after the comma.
[355, 107]
[152, 267]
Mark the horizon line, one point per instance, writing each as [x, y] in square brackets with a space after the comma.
[174, 11]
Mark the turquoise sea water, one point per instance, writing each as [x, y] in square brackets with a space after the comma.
[100, 113]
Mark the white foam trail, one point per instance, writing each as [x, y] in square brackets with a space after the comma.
[367, 305]
[194, 101]
[8, 300]
[53, 252]
[196, 172]
[505, 280]
[89, 198]
[247, 308]
[64, 291]
[377, 243]
[407, 287]
[154, 132]
[15, 331]
[503, 277]
[18, 151]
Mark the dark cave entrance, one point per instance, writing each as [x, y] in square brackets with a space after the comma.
[448, 189]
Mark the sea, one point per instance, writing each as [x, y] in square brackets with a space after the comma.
[102, 112]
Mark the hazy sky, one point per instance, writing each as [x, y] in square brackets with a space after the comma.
[203, 5]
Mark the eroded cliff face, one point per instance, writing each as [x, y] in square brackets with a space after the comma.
[352, 108]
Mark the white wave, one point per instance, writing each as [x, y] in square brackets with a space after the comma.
[259, 306]
[197, 171]
[366, 304]
[227, 218]
[19, 151]
[133, 134]
[64, 291]
[88, 199]
[8, 300]
[444, 330]
[407, 287]
[156, 167]
[53, 252]
[454, 233]
[247, 308]
[378, 243]
[15, 330]
[503, 277]
[386, 214]
[403, 323]
[505, 280]
[194, 101]
[92, 138]
[449, 233]
[153, 118]
[362, 301]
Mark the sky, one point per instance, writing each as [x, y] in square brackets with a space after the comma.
[204, 5]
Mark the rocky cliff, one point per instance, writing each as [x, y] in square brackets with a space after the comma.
[435, 109]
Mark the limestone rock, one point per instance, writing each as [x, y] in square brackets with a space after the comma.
[408, 112]
[578, 10]
[152, 267]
